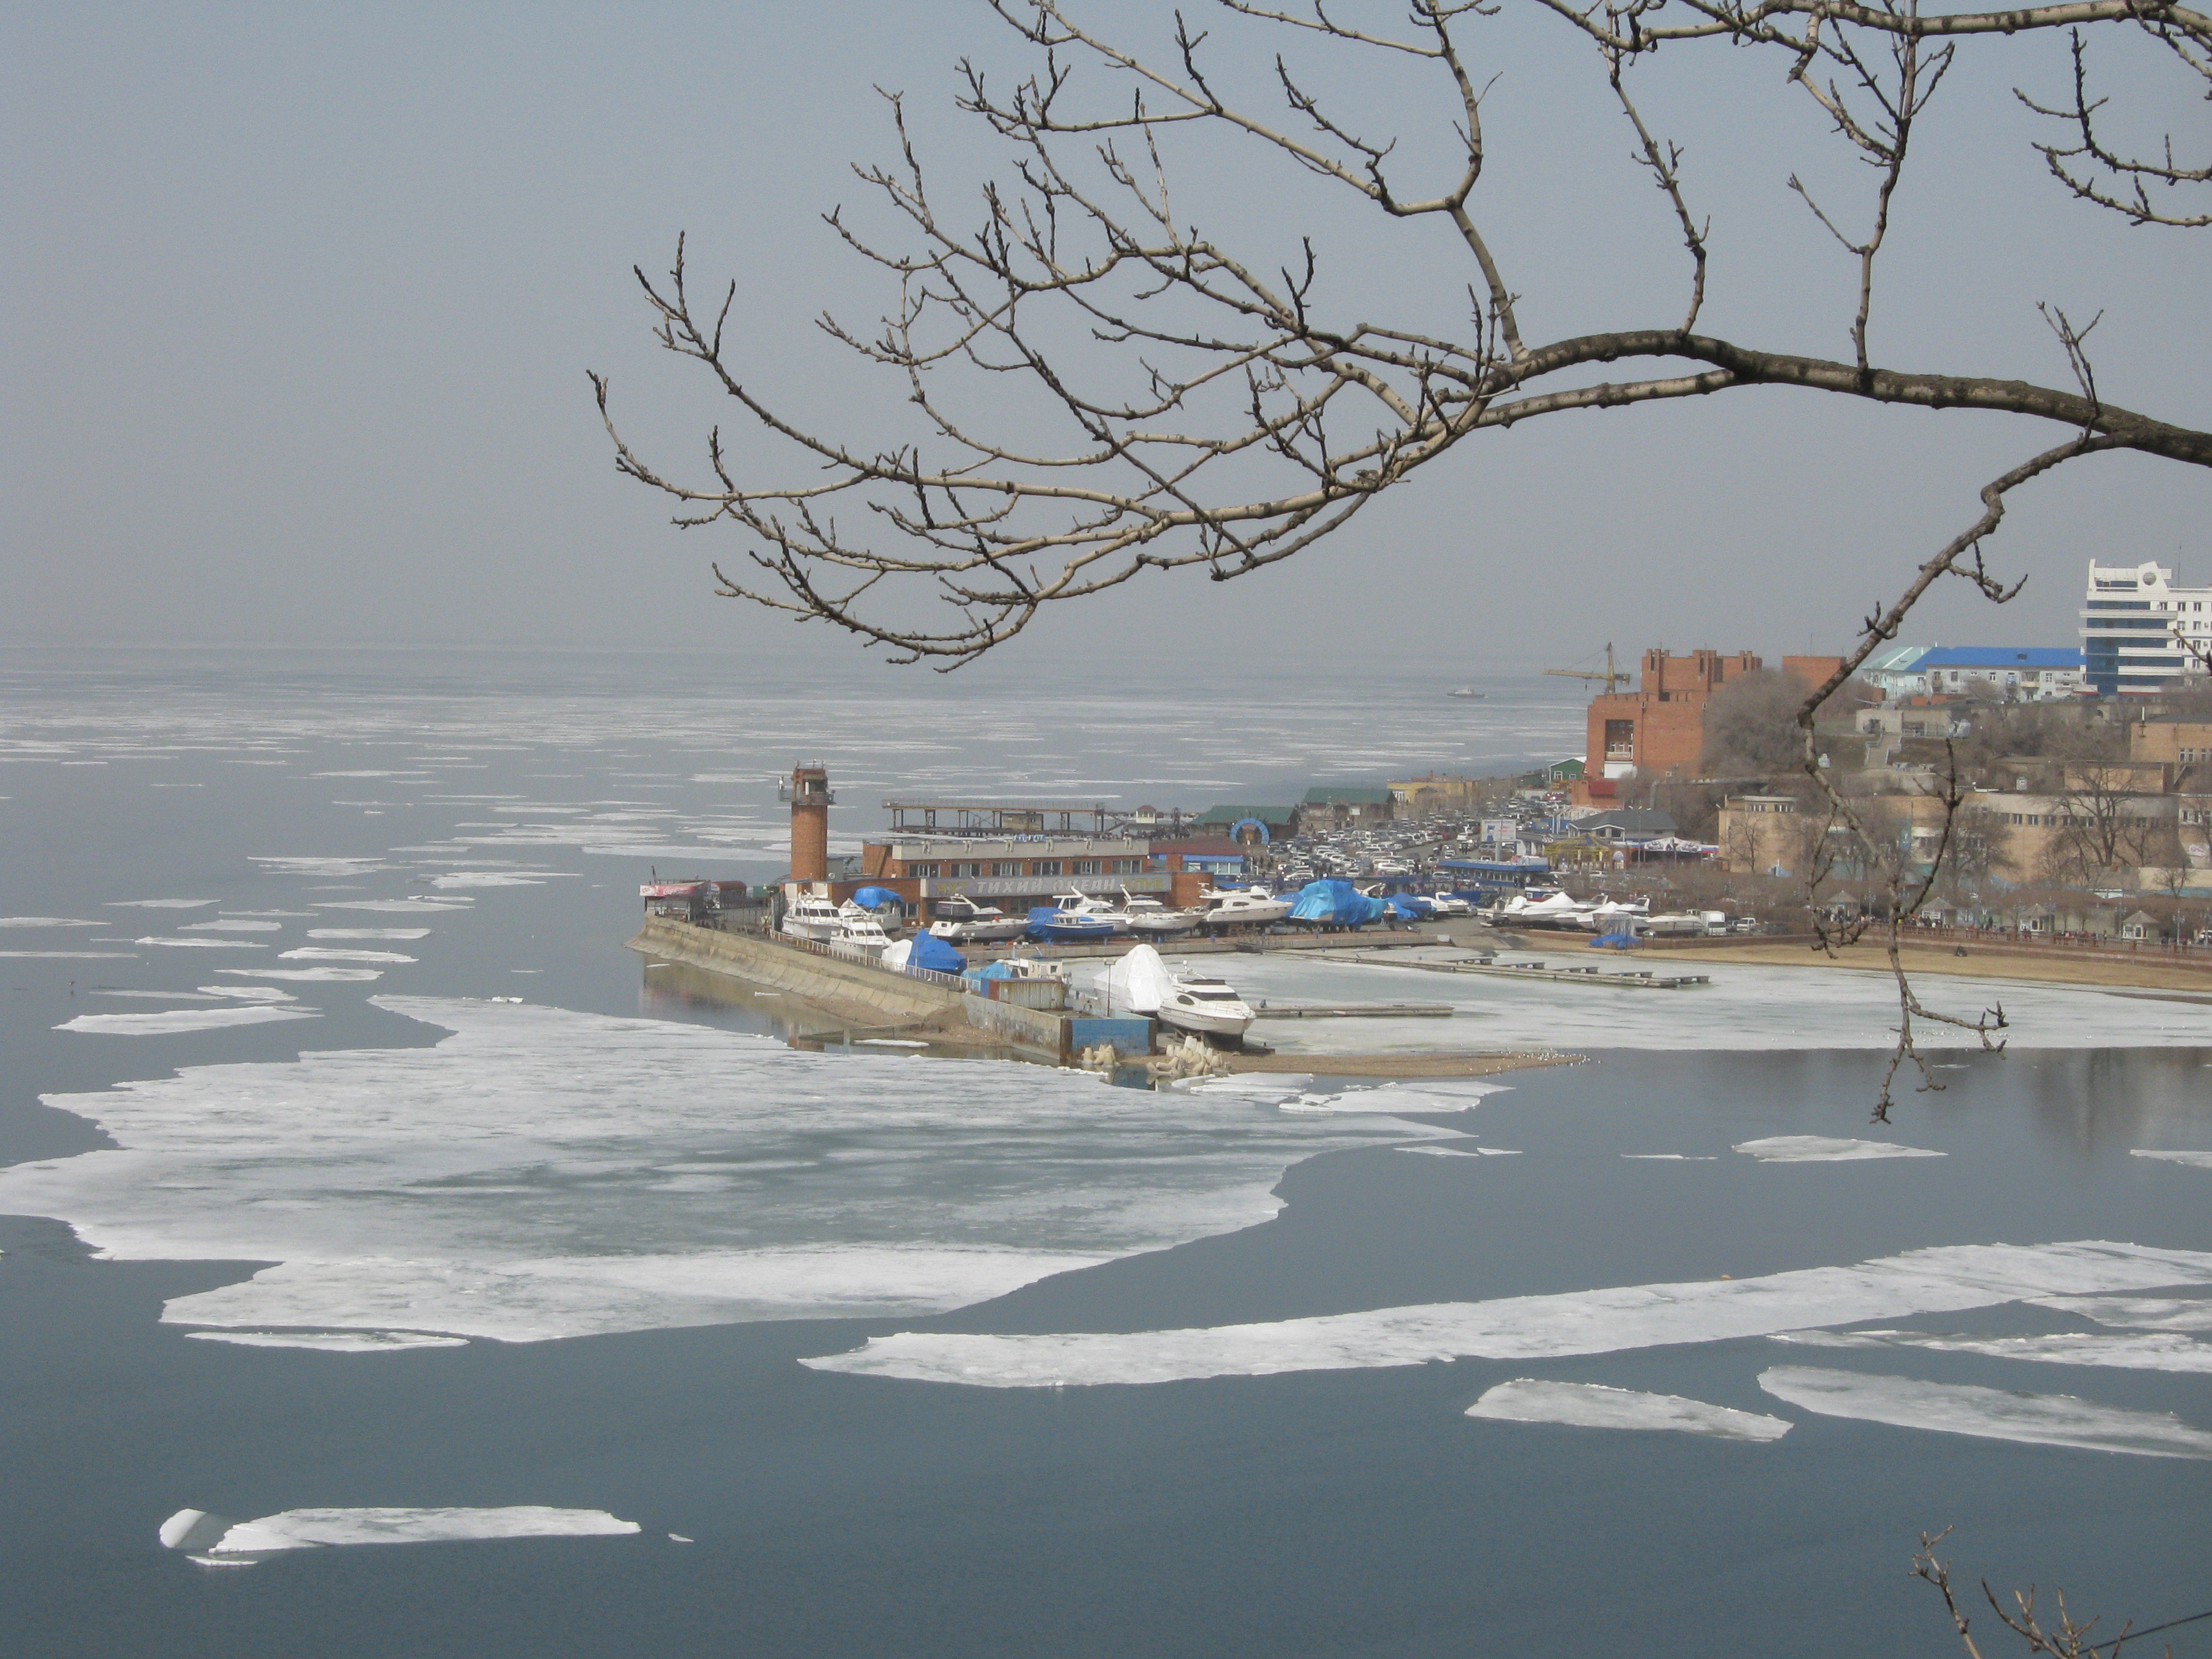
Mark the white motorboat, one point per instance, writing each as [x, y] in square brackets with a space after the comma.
[1682, 924]
[1209, 1007]
[1615, 916]
[1084, 911]
[888, 921]
[1150, 917]
[1253, 907]
[812, 916]
[961, 920]
[1554, 910]
[1141, 983]
[1466, 691]
[860, 935]
[1445, 905]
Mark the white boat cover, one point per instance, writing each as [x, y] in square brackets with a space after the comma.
[1139, 981]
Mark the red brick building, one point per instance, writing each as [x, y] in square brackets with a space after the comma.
[1660, 727]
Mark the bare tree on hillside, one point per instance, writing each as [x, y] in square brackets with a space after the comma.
[2105, 827]
[1101, 390]
[1750, 727]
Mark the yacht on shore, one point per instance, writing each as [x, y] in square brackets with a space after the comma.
[1152, 919]
[961, 920]
[1248, 907]
[1206, 1006]
[859, 934]
[812, 916]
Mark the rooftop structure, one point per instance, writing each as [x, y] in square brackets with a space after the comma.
[995, 818]
[2134, 621]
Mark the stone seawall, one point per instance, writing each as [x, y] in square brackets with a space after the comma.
[895, 998]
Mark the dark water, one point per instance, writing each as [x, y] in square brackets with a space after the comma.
[1346, 1512]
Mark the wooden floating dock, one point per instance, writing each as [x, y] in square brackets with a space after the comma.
[1358, 1009]
[1617, 978]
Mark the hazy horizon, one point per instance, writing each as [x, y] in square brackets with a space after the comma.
[302, 300]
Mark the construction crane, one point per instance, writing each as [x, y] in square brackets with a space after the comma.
[1610, 675]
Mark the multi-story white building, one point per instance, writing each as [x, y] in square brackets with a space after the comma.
[2136, 625]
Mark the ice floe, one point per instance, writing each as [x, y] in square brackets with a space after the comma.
[2143, 1350]
[333, 1341]
[47, 921]
[1676, 1158]
[218, 1540]
[1464, 1152]
[2141, 1313]
[77, 956]
[328, 953]
[231, 924]
[510, 1182]
[1824, 1149]
[1942, 1279]
[400, 907]
[1594, 1405]
[248, 992]
[159, 904]
[493, 879]
[204, 943]
[368, 933]
[324, 975]
[2194, 1160]
[152, 996]
[2041, 1420]
[181, 1019]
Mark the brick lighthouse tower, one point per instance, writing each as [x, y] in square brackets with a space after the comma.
[808, 792]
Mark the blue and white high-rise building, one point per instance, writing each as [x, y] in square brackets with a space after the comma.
[2136, 626]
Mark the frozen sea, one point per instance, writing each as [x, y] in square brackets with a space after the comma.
[358, 1189]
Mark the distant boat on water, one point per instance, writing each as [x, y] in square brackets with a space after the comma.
[1466, 691]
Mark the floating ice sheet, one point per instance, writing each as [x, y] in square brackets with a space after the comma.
[398, 907]
[212, 1538]
[1824, 1149]
[1939, 1280]
[328, 953]
[47, 921]
[2040, 1419]
[159, 904]
[2144, 1313]
[512, 1181]
[1593, 1405]
[2143, 1350]
[249, 993]
[232, 925]
[326, 975]
[1464, 1152]
[1672, 1157]
[332, 1342]
[368, 933]
[204, 943]
[2195, 1160]
[77, 956]
[181, 1019]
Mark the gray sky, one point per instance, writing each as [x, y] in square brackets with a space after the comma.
[299, 301]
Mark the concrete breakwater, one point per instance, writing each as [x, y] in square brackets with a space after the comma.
[892, 999]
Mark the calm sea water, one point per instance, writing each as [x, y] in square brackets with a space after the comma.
[1354, 1512]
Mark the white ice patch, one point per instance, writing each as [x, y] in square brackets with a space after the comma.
[1825, 1149]
[2194, 1160]
[2141, 1313]
[327, 976]
[1593, 1405]
[322, 866]
[368, 933]
[327, 953]
[249, 993]
[332, 1342]
[77, 956]
[159, 904]
[1674, 1158]
[513, 1181]
[205, 943]
[2037, 1419]
[47, 921]
[231, 924]
[181, 1019]
[1939, 1280]
[398, 907]
[152, 996]
[493, 879]
[2145, 1350]
[212, 1538]
[1464, 1152]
